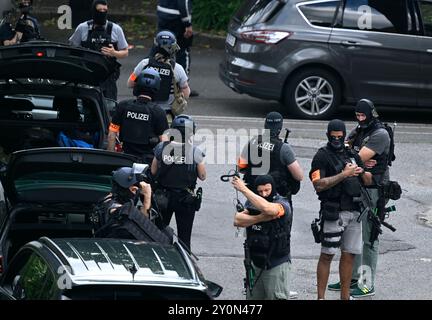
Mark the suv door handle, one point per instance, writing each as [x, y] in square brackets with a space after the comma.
[349, 43]
[429, 50]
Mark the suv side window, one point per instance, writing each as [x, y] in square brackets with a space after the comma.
[35, 281]
[390, 16]
[426, 12]
[320, 14]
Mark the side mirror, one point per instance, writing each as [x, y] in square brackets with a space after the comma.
[111, 106]
[213, 288]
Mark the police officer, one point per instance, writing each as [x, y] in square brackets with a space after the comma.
[176, 16]
[372, 141]
[121, 216]
[105, 36]
[268, 219]
[163, 61]
[177, 165]
[26, 29]
[140, 123]
[274, 156]
[334, 174]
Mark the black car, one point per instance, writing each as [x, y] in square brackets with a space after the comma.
[51, 192]
[50, 88]
[103, 269]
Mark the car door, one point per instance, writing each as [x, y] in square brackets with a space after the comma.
[375, 44]
[29, 277]
[425, 40]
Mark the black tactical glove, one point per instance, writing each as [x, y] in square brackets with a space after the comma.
[21, 26]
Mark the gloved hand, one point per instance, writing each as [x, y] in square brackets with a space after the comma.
[21, 26]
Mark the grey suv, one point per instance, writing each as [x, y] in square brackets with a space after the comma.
[315, 55]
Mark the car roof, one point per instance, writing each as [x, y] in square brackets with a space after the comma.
[122, 261]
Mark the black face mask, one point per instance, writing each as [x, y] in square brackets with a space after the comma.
[336, 144]
[25, 9]
[99, 17]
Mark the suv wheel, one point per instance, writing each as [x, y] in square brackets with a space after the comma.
[313, 94]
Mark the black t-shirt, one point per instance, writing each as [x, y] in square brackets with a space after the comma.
[158, 125]
[321, 167]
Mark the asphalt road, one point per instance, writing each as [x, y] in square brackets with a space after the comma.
[405, 262]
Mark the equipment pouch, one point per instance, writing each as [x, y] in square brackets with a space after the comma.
[161, 199]
[315, 226]
[392, 190]
[330, 211]
[352, 186]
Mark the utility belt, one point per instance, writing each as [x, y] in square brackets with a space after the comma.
[330, 210]
[185, 196]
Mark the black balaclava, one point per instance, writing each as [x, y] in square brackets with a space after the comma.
[274, 122]
[24, 8]
[123, 195]
[367, 107]
[265, 179]
[336, 125]
[99, 18]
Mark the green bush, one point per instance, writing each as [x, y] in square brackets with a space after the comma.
[214, 14]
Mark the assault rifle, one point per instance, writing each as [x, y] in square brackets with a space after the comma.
[250, 271]
[376, 214]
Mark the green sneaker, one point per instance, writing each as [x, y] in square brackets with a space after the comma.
[363, 292]
[337, 286]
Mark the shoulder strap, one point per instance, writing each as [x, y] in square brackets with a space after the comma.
[331, 158]
[109, 28]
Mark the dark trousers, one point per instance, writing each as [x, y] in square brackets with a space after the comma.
[184, 215]
[177, 27]
[109, 88]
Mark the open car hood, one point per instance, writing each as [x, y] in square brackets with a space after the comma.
[61, 175]
[55, 61]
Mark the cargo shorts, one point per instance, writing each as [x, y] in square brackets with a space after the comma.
[351, 234]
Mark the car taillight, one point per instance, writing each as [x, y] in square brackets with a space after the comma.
[40, 54]
[265, 36]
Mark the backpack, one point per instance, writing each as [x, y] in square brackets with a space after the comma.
[391, 156]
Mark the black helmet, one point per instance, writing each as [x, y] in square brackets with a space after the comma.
[182, 121]
[166, 43]
[148, 83]
[274, 122]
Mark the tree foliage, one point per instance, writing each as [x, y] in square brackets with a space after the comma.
[214, 14]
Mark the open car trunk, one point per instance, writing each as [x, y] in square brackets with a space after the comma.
[52, 191]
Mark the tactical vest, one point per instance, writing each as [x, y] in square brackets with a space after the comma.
[177, 171]
[136, 124]
[166, 73]
[270, 241]
[127, 222]
[285, 183]
[96, 39]
[361, 139]
[344, 192]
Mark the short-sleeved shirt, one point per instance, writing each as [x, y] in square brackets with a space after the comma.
[378, 142]
[322, 168]
[82, 31]
[159, 125]
[179, 74]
